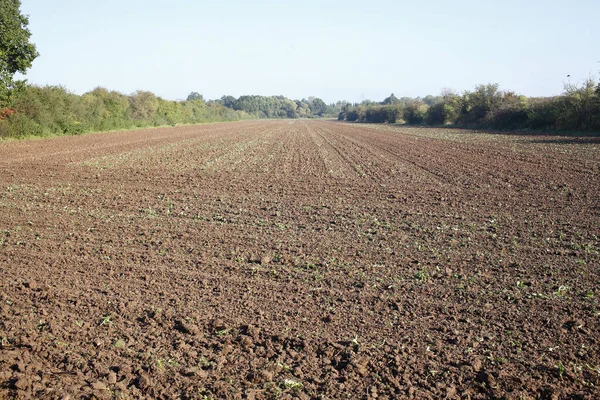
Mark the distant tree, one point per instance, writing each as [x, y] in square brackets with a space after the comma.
[580, 107]
[16, 53]
[228, 101]
[452, 105]
[318, 107]
[104, 109]
[391, 100]
[430, 100]
[303, 109]
[477, 104]
[195, 96]
[143, 105]
[435, 114]
[289, 108]
[415, 112]
[352, 115]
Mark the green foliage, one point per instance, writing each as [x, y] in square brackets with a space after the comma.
[103, 110]
[577, 109]
[16, 53]
[144, 106]
[352, 115]
[543, 113]
[391, 100]
[510, 113]
[415, 112]
[580, 107]
[195, 96]
[385, 113]
[376, 114]
[435, 115]
[476, 105]
[317, 107]
[452, 104]
[52, 110]
[280, 106]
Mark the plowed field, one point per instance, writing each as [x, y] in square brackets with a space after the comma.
[300, 259]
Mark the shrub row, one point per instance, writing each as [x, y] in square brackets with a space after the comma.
[53, 110]
[577, 109]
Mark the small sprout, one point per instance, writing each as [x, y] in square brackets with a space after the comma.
[119, 344]
[562, 290]
[422, 275]
[222, 332]
[292, 384]
[172, 363]
[284, 367]
[561, 369]
[162, 363]
[203, 362]
[593, 369]
[106, 321]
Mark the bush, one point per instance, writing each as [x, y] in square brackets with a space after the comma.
[543, 113]
[510, 113]
[376, 114]
[415, 112]
[52, 110]
[352, 115]
[435, 114]
[580, 107]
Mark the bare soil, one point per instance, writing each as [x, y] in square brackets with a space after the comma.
[300, 259]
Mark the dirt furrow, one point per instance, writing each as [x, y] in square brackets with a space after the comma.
[299, 259]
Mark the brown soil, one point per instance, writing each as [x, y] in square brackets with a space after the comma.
[300, 259]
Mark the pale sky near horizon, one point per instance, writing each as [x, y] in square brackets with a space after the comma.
[336, 50]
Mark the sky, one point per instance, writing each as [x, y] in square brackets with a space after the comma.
[335, 50]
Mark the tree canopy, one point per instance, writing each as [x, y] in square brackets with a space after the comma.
[280, 106]
[195, 96]
[16, 52]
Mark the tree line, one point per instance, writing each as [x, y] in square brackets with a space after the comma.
[280, 106]
[576, 109]
[53, 110]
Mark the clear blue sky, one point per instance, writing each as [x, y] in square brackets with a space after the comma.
[336, 50]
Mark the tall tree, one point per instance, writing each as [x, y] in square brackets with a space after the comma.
[318, 107]
[195, 96]
[391, 100]
[16, 52]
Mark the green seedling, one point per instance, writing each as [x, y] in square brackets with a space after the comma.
[203, 362]
[222, 332]
[562, 290]
[422, 275]
[561, 369]
[292, 384]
